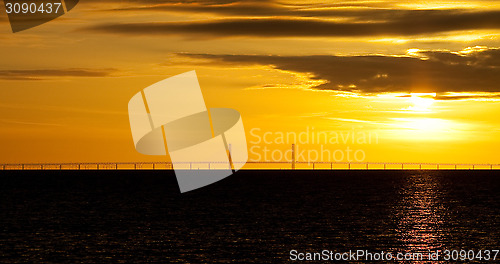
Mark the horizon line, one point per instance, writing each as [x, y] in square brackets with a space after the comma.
[287, 165]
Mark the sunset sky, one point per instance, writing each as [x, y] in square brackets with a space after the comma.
[424, 76]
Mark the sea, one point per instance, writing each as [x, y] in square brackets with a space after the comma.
[253, 216]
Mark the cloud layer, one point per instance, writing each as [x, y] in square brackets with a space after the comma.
[273, 27]
[476, 70]
[40, 74]
[273, 19]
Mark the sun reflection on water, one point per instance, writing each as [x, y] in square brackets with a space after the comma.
[420, 216]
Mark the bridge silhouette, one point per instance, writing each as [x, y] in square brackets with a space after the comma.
[250, 165]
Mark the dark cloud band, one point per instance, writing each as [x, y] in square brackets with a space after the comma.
[418, 25]
[432, 71]
[52, 73]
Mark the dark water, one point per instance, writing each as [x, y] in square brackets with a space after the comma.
[252, 217]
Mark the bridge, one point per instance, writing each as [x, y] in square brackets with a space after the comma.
[250, 165]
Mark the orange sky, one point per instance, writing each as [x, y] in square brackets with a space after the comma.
[422, 76]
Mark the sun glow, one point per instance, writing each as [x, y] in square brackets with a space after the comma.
[421, 102]
[429, 129]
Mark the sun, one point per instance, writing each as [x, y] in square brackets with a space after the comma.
[421, 102]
